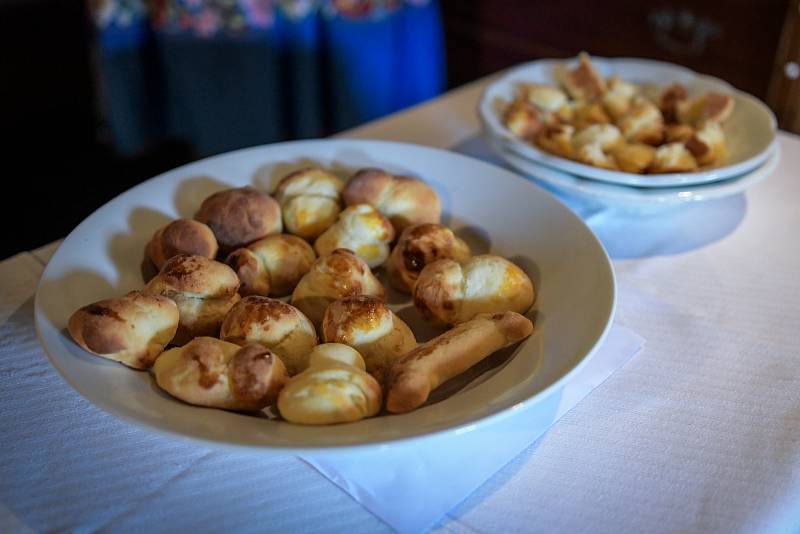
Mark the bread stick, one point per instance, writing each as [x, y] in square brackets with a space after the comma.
[411, 379]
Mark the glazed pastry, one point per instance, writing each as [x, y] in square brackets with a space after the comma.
[184, 236]
[334, 389]
[673, 157]
[132, 330]
[204, 290]
[633, 157]
[643, 123]
[403, 200]
[411, 379]
[278, 326]
[310, 201]
[418, 246]
[272, 266]
[448, 292]
[369, 326]
[584, 82]
[240, 216]
[339, 274]
[217, 374]
[522, 119]
[362, 229]
[707, 145]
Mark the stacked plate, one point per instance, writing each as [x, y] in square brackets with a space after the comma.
[750, 135]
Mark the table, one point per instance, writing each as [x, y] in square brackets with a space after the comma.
[700, 432]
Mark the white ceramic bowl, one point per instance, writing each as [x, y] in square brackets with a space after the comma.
[750, 131]
[494, 209]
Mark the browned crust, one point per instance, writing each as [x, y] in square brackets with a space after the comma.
[256, 376]
[246, 265]
[718, 106]
[366, 186]
[584, 81]
[254, 309]
[670, 98]
[240, 216]
[418, 246]
[184, 236]
[206, 354]
[432, 296]
[360, 312]
[194, 274]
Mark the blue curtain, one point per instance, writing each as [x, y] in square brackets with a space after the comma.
[225, 74]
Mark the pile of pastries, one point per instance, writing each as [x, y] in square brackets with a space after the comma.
[612, 124]
[213, 327]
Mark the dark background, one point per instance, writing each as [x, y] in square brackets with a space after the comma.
[61, 165]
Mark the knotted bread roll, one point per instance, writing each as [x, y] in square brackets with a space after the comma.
[272, 266]
[133, 329]
[362, 229]
[240, 216]
[280, 327]
[204, 290]
[411, 379]
[339, 274]
[448, 292]
[404, 200]
[369, 326]
[418, 246]
[310, 201]
[217, 374]
[334, 389]
[184, 236]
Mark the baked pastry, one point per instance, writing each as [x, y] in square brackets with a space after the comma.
[593, 154]
[617, 99]
[715, 107]
[678, 133]
[402, 199]
[334, 389]
[411, 379]
[339, 274]
[673, 157]
[633, 157]
[240, 216]
[707, 145]
[544, 97]
[643, 123]
[671, 98]
[280, 327]
[132, 330]
[214, 373]
[448, 292]
[204, 290]
[556, 139]
[606, 136]
[362, 229]
[369, 326]
[184, 236]
[584, 82]
[310, 201]
[418, 246]
[583, 114]
[272, 266]
[523, 119]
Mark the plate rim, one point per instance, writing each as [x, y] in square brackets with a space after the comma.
[492, 126]
[456, 429]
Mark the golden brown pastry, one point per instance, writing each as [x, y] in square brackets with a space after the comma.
[714, 107]
[707, 145]
[132, 330]
[523, 119]
[402, 199]
[617, 100]
[334, 389]
[678, 133]
[184, 236]
[584, 82]
[448, 292]
[310, 201]
[280, 327]
[643, 123]
[369, 326]
[633, 157]
[544, 97]
[362, 229]
[240, 216]
[411, 379]
[339, 274]
[418, 246]
[214, 373]
[594, 155]
[671, 98]
[606, 136]
[556, 139]
[583, 114]
[273, 265]
[673, 157]
[204, 290]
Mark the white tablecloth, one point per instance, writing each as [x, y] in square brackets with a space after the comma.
[700, 432]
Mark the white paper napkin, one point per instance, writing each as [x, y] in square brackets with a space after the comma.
[412, 487]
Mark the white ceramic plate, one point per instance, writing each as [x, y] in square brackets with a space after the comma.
[493, 208]
[749, 132]
[639, 196]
